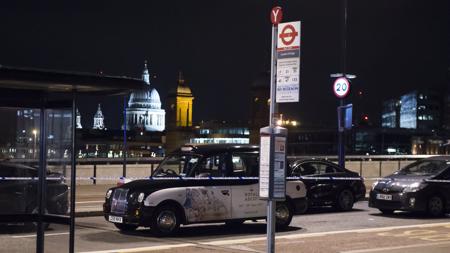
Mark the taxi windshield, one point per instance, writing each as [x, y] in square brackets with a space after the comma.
[423, 168]
[177, 165]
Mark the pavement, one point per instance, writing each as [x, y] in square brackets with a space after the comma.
[89, 200]
[361, 230]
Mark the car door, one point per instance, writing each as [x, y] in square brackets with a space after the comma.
[444, 187]
[12, 191]
[210, 201]
[245, 192]
[321, 189]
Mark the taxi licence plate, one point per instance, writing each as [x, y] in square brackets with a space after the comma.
[115, 219]
[384, 196]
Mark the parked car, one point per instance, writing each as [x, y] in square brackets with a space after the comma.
[18, 190]
[193, 195]
[422, 186]
[328, 184]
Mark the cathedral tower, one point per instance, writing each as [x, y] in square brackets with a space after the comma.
[181, 105]
[99, 119]
[79, 126]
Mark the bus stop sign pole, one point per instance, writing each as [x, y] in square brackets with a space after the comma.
[272, 138]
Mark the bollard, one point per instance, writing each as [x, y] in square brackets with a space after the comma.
[380, 167]
[94, 181]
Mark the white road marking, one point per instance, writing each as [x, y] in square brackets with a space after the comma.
[386, 249]
[150, 248]
[261, 238]
[297, 236]
[34, 235]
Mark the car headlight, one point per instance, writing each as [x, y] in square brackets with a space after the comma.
[374, 184]
[414, 187]
[141, 197]
[108, 194]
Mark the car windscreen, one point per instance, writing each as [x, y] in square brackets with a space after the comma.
[177, 165]
[424, 168]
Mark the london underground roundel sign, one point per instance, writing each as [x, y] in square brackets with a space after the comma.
[341, 87]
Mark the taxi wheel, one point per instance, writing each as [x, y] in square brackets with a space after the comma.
[435, 206]
[345, 200]
[234, 223]
[386, 211]
[165, 220]
[283, 214]
[126, 227]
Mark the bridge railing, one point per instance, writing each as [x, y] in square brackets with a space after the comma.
[109, 170]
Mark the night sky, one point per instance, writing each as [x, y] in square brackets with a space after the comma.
[223, 46]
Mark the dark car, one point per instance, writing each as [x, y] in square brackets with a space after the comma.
[19, 187]
[422, 186]
[328, 184]
[208, 183]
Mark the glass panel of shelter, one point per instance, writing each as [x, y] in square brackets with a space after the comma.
[59, 140]
[20, 144]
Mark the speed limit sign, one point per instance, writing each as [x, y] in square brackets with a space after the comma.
[341, 87]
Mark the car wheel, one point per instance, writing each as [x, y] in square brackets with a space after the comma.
[126, 227]
[435, 206]
[303, 208]
[234, 223]
[165, 221]
[386, 211]
[345, 200]
[283, 214]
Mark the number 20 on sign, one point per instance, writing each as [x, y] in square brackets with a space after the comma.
[341, 87]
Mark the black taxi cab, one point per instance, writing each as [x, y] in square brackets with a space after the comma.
[199, 184]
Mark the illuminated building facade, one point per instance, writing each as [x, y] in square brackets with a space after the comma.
[79, 126]
[181, 105]
[99, 119]
[221, 132]
[27, 135]
[144, 111]
[420, 110]
[390, 115]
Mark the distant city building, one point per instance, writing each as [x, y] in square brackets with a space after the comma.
[390, 115]
[109, 143]
[79, 126]
[446, 112]
[28, 133]
[181, 104]
[144, 108]
[221, 132]
[312, 140]
[420, 110]
[99, 119]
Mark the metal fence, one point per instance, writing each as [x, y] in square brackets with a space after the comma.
[107, 170]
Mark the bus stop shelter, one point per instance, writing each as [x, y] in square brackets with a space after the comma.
[46, 93]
